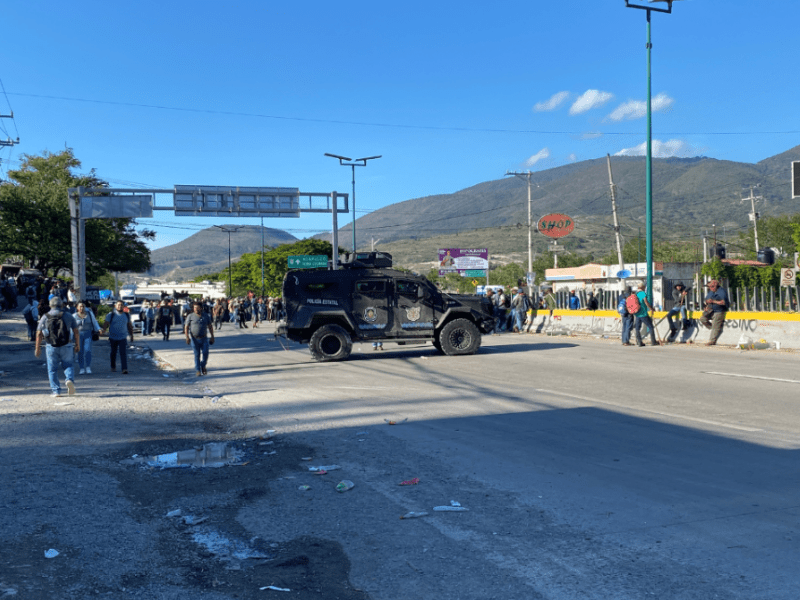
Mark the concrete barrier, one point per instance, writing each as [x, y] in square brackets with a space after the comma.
[772, 328]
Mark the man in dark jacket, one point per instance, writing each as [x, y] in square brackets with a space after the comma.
[680, 298]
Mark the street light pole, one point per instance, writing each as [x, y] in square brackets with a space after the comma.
[649, 146]
[358, 162]
[229, 231]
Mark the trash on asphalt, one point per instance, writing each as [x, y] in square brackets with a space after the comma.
[174, 513]
[391, 422]
[414, 515]
[320, 472]
[413, 481]
[192, 520]
[453, 507]
[62, 404]
[223, 547]
[276, 589]
[51, 553]
[305, 457]
[344, 485]
[325, 468]
[7, 400]
[270, 444]
[216, 454]
[304, 488]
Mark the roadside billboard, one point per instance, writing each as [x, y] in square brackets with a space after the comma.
[467, 262]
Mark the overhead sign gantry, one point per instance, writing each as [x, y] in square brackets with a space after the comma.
[194, 201]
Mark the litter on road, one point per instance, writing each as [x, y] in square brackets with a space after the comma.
[276, 589]
[51, 553]
[325, 468]
[414, 515]
[345, 485]
[414, 481]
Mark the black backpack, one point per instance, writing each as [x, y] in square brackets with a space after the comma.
[57, 331]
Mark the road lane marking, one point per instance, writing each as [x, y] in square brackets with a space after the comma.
[751, 377]
[653, 412]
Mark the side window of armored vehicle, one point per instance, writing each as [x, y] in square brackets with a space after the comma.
[316, 288]
[374, 287]
[407, 288]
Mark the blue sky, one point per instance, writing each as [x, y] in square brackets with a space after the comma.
[451, 94]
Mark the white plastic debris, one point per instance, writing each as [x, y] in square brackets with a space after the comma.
[325, 468]
[174, 513]
[453, 507]
[51, 553]
[276, 589]
[414, 515]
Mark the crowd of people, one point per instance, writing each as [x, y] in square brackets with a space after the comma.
[67, 327]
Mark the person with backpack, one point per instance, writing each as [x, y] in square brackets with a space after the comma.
[31, 315]
[625, 316]
[56, 329]
[119, 327]
[639, 306]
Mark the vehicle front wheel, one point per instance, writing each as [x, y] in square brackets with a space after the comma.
[460, 337]
[330, 342]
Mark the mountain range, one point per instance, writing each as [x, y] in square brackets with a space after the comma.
[689, 195]
[207, 251]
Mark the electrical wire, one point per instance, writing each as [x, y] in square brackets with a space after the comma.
[377, 124]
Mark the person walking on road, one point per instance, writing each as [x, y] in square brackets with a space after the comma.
[627, 318]
[643, 317]
[87, 325]
[119, 327]
[56, 329]
[717, 303]
[164, 319]
[200, 333]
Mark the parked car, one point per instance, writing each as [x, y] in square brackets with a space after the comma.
[137, 317]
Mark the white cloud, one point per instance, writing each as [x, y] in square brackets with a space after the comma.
[553, 103]
[588, 100]
[590, 135]
[541, 154]
[670, 148]
[636, 109]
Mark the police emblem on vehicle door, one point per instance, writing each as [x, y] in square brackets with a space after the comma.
[370, 314]
[412, 314]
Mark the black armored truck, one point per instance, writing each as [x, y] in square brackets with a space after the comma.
[366, 300]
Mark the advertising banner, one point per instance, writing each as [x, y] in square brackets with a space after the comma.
[467, 262]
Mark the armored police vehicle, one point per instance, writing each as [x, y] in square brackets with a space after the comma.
[368, 301]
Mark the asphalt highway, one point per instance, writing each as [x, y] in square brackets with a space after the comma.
[589, 469]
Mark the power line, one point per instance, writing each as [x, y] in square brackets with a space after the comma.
[378, 124]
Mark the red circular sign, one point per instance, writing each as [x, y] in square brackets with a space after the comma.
[555, 225]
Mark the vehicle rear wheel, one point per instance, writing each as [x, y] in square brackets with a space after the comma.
[460, 337]
[329, 343]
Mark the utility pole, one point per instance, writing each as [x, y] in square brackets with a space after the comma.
[614, 211]
[754, 215]
[229, 229]
[374, 241]
[527, 177]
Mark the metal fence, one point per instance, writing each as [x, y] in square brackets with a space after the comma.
[759, 298]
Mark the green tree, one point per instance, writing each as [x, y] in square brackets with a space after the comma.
[773, 232]
[35, 221]
[246, 272]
